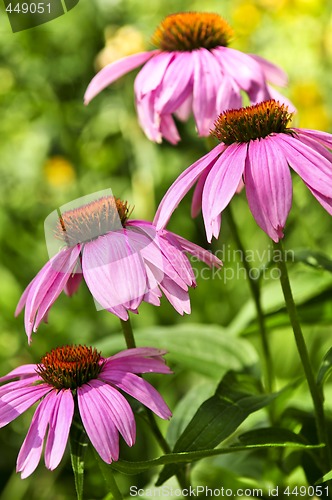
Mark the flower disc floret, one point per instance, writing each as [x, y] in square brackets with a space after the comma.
[92, 220]
[252, 122]
[188, 31]
[70, 367]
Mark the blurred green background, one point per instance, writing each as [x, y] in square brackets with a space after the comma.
[53, 150]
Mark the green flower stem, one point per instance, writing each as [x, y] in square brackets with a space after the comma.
[316, 394]
[113, 490]
[128, 333]
[130, 342]
[78, 445]
[256, 295]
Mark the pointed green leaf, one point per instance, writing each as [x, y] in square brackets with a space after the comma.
[193, 456]
[325, 368]
[217, 418]
[313, 259]
[78, 446]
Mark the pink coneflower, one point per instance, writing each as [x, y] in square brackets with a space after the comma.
[122, 262]
[79, 374]
[192, 71]
[257, 146]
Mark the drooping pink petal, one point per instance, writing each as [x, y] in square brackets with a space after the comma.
[119, 311]
[314, 169]
[245, 71]
[17, 384]
[30, 452]
[168, 129]
[21, 371]
[316, 146]
[204, 255]
[229, 95]
[221, 184]
[207, 81]
[114, 271]
[47, 286]
[141, 390]
[176, 84]
[196, 203]
[178, 297]
[115, 70]
[182, 185]
[59, 427]
[98, 423]
[119, 410]
[17, 401]
[137, 364]
[277, 96]
[138, 351]
[268, 186]
[272, 72]
[152, 74]
[148, 118]
[23, 299]
[325, 201]
[73, 284]
[323, 137]
[184, 110]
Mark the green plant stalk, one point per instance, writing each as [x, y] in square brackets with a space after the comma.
[316, 394]
[130, 342]
[256, 295]
[113, 490]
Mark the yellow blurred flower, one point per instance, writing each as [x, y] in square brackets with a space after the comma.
[308, 99]
[120, 43]
[246, 18]
[59, 172]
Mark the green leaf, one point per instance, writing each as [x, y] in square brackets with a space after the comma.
[325, 368]
[275, 435]
[192, 456]
[217, 418]
[305, 286]
[313, 259]
[326, 477]
[78, 446]
[205, 349]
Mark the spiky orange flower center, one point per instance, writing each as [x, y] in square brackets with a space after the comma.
[252, 122]
[69, 367]
[188, 31]
[95, 219]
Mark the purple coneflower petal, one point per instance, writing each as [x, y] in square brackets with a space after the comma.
[114, 271]
[182, 185]
[141, 390]
[73, 284]
[268, 186]
[17, 384]
[272, 73]
[316, 146]
[59, 427]
[177, 296]
[47, 286]
[229, 95]
[245, 71]
[277, 96]
[21, 371]
[185, 109]
[137, 364]
[221, 184]
[119, 410]
[152, 74]
[115, 70]
[204, 255]
[175, 86]
[168, 129]
[322, 137]
[30, 452]
[148, 118]
[314, 169]
[139, 351]
[98, 423]
[207, 81]
[325, 201]
[17, 401]
[196, 204]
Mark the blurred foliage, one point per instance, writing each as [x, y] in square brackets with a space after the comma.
[53, 150]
